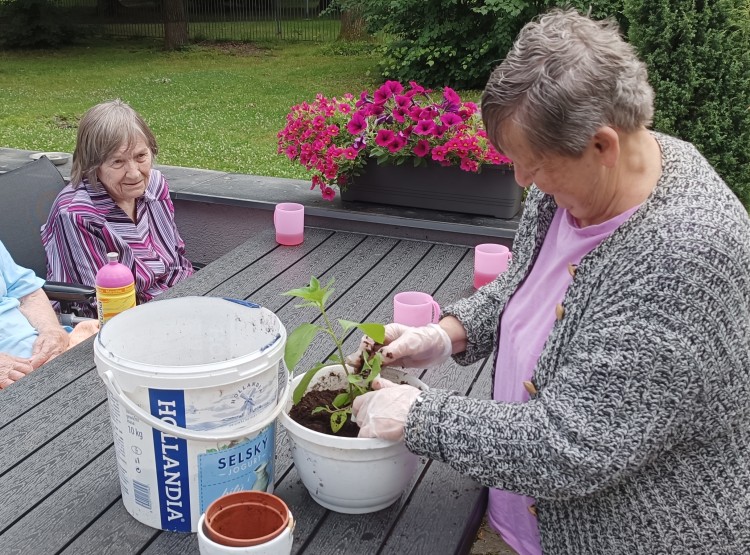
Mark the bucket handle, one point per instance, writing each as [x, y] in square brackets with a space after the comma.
[183, 433]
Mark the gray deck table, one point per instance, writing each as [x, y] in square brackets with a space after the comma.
[58, 478]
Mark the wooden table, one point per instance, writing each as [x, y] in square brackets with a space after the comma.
[58, 476]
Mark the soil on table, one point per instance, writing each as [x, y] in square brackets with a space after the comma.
[321, 422]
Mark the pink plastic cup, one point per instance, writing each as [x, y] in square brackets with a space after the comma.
[289, 221]
[490, 260]
[413, 308]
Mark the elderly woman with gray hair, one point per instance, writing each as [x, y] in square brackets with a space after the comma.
[116, 202]
[620, 415]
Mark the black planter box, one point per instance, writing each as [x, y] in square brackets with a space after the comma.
[493, 192]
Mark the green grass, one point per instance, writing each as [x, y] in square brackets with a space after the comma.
[208, 107]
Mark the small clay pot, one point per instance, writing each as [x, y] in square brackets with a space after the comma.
[246, 518]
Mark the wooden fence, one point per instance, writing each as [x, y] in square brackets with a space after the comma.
[240, 20]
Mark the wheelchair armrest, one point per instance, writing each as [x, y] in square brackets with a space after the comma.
[69, 292]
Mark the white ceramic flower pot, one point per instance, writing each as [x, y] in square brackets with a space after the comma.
[349, 475]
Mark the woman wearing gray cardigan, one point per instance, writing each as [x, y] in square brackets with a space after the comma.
[620, 419]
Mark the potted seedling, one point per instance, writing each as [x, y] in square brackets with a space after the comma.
[330, 464]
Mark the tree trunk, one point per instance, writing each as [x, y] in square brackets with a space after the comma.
[107, 8]
[175, 24]
[353, 26]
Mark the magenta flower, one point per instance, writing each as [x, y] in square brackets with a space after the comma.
[394, 86]
[291, 152]
[392, 121]
[422, 148]
[450, 119]
[328, 193]
[425, 127]
[357, 124]
[381, 95]
[397, 144]
[384, 137]
[403, 102]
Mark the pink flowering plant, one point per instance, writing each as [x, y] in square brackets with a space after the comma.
[333, 138]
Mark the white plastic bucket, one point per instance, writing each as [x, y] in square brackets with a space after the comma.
[194, 387]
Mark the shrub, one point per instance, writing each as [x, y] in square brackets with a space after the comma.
[698, 56]
[33, 24]
[444, 42]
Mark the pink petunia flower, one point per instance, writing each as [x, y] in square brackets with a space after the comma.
[422, 148]
[403, 102]
[328, 193]
[450, 119]
[394, 86]
[384, 137]
[397, 144]
[357, 124]
[425, 127]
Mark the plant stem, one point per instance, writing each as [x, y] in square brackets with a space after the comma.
[339, 348]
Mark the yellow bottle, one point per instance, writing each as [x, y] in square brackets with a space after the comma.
[115, 288]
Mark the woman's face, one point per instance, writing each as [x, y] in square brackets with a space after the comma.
[125, 174]
[573, 182]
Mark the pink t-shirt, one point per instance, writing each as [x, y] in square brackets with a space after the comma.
[524, 327]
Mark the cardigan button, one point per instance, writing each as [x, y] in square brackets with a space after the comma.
[559, 312]
[572, 269]
[532, 509]
[530, 388]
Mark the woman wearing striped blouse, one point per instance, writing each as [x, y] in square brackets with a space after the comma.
[116, 202]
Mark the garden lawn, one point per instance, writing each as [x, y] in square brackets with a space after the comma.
[211, 106]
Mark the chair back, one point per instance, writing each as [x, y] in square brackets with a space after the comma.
[26, 196]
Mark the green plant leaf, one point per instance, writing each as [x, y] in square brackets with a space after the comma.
[312, 293]
[297, 343]
[301, 388]
[346, 325]
[341, 400]
[338, 419]
[372, 330]
[327, 292]
[374, 364]
[316, 410]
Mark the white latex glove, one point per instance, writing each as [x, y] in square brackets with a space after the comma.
[408, 347]
[382, 413]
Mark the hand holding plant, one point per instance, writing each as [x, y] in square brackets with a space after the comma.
[359, 380]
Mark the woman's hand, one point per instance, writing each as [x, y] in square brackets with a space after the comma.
[82, 332]
[13, 369]
[382, 413]
[51, 342]
[408, 346]
[52, 339]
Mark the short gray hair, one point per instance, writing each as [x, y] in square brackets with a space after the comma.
[102, 132]
[565, 77]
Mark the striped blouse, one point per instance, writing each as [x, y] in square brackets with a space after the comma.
[85, 224]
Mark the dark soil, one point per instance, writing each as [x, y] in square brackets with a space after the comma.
[320, 422]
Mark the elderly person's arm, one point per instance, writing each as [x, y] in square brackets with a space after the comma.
[53, 339]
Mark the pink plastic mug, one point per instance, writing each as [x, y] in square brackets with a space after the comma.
[490, 260]
[289, 221]
[413, 308]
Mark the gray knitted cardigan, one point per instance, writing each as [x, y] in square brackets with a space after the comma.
[638, 438]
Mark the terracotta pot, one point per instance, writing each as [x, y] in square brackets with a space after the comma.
[246, 518]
